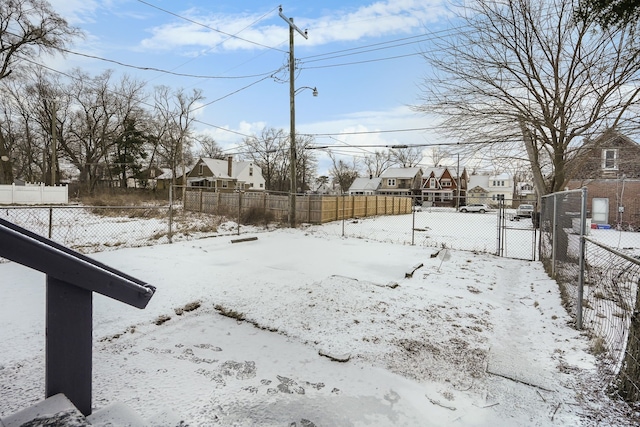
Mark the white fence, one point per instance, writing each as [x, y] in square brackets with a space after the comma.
[33, 194]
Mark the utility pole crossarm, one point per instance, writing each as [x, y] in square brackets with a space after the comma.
[292, 25]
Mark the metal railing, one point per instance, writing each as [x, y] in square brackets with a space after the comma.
[71, 280]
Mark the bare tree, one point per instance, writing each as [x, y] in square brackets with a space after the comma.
[92, 126]
[174, 110]
[307, 163]
[438, 154]
[27, 27]
[406, 157]
[209, 148]
[527, 79]
[30, 26]
[377, 162]
[269, 150]
[343, 173]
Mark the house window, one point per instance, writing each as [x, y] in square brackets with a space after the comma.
[446, 183]
[432, 183]
[610, 159]
[225, 184]
[251, 185]
[447, 196]
[201, 169]
[391, 182]
[250, 171]
[261, 185]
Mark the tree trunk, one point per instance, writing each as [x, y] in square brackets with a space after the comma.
[6, 165]
[532, 153]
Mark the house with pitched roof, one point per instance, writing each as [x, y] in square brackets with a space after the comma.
[442, 187]
[226, 175]
[401, 182]
[362, 186]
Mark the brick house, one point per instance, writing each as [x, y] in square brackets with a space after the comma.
[440, 187]
[610, 170]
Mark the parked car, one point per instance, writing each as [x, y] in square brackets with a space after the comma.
[475, 207]
[524, 211]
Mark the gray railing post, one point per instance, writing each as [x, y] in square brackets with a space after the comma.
[69, 343]
[71, 279]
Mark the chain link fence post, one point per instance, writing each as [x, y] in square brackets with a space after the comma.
[582, 261]
[343, 219]
[50, 221]
[414, 203]
[554, 236]
[170, 233]
[239, 210]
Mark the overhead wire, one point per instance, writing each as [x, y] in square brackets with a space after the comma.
[210, 28]
[427, 37]
[160, 70]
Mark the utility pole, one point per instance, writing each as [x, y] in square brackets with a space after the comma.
[292, 102]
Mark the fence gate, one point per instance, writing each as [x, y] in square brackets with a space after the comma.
[517, 237]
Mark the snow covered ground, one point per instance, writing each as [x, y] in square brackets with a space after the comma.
[466, 339]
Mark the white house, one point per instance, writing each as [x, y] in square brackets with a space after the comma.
[365, 186]
[489, 188]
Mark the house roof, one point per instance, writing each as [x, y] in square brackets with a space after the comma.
[365, 184]
[168, 174]
[504, 176]
[400, 173]
[220, 168]
[610, 136]
[479, 181]
[437, 172]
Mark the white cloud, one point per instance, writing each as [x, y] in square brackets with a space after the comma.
[375, 20]
[76, 12]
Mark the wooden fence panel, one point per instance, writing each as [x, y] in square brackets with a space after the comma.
[314, 209]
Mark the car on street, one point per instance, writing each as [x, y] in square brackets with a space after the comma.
[524, 211]
[475, 207]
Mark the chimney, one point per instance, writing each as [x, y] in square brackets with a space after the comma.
[229, 165]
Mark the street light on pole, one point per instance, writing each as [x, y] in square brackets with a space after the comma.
[292, 102]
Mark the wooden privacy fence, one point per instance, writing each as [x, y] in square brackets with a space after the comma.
[313, 209]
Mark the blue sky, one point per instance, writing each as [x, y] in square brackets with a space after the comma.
[363, 57]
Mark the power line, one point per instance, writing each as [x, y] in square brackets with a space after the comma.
[165, 71]
[361, 62]
[148, 104]
[366, 132]
[211, 28]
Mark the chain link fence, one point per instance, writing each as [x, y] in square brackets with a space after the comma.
[88, 229]
[598, 271]
[492, 229]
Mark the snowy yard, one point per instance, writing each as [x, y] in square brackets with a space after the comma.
[468, 339]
